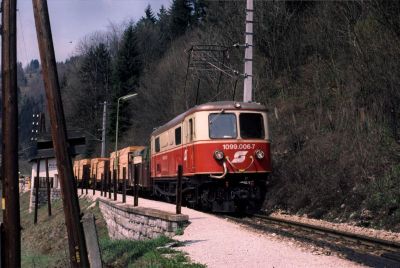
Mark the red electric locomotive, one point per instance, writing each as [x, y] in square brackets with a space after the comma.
[224, 150]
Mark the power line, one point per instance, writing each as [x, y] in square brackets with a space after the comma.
[23, 36]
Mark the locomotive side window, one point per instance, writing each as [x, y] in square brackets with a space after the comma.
[157, 144]
[251, 126]
[222, 126]
[178, 136]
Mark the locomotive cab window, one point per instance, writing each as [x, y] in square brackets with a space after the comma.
[251, 126]
[178, 136]
[222, 126]
[157, 144]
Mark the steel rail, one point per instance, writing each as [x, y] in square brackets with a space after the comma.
[370, 251]
[387, 244]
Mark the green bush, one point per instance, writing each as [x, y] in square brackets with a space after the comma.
[384, 197]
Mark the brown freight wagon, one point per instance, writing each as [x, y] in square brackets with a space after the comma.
[83, 172]
[99, 167]
[139, 166]
[125, 157]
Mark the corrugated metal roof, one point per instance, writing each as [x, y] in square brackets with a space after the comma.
[43, 147]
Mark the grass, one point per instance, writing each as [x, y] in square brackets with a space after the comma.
[150, 253]
[45, 244]
[179, 231]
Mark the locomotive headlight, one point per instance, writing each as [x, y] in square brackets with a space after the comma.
[219, 155]
[260, 154]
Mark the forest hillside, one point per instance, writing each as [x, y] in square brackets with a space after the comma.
[328, 71]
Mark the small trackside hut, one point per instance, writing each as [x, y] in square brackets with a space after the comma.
[224, 149]
[42, 156]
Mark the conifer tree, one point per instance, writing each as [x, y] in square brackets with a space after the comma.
[127, 69]
[162, 14]
[181, 17]
[199, 11]
[149, 14]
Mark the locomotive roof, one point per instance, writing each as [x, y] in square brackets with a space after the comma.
[211, 106]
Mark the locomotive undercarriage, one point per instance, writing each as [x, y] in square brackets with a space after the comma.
[232, 194]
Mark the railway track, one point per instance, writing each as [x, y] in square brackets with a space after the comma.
[366, 250]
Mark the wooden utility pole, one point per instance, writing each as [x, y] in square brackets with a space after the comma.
[48, 188]
[76, 238]
[10, 196]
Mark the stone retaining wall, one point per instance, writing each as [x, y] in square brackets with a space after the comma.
[139, 223]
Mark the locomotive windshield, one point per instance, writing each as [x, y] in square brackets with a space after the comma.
[222, 126]
[251, 126]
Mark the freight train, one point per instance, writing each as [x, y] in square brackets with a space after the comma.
[223, 148]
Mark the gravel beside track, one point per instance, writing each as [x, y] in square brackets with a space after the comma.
[217, 242]
[346, 227]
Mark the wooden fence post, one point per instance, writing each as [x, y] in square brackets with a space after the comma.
[115, 182]
[92, 242]
[123, 185]
[109, 184]
[102, 184]
[179, 190]
[94, 184]
[87, 178]
[136, 185]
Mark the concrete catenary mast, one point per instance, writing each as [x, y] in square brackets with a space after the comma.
[248, 54]
[103, 131]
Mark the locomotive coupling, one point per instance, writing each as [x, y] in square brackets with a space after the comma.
[223, 174]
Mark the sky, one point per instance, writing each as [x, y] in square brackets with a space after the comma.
[71, 20]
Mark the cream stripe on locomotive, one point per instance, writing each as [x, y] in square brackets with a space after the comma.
[195, 128]
[228, 142]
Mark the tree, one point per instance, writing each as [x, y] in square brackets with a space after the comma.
[21, 78]
[33, 66]
[181, 17]
[88, 85]
[126, 72]
[162, 13]
[149, 14]
[199, 11]
[163, 28]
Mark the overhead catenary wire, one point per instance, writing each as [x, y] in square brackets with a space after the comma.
[206, 58]
[23, 35]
